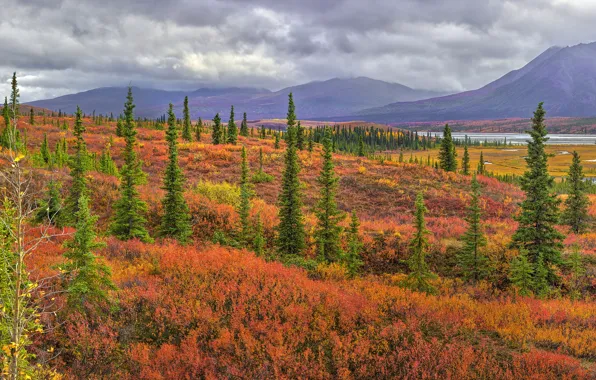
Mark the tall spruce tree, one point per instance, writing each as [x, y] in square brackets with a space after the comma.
[447, 155]
[244, 126]
[78, 170]
[576, 205]
[539, 214]
[232, 136]
[290, 239]
[88, 279]
[244, 204]
[129, 220]
[216, 130]
[175, 222]
[420, 274]
[186, 127]
[465, 162]
[352, 258]
[328, 231]
[472, 261]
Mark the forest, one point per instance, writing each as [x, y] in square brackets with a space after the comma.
[181, 249]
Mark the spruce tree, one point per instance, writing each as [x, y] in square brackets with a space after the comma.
[539, 214]
[276, 141]
[78, 170]
[352, 258]
[106, 163]
[480, 169]
[244, 204]
[361, 152]
[44, 150]
[119, 128]
[521, 273]
[328, 231]
[577, 269]
[50, 209]
[216, 130]
[577, 203]
[420, 274]
[129, 220]
[232, 137]
[88, 279]
[300, 136]
[244, 126]
[31, 117]
[175, 222]
[199, 130]
[447, 153]
[473, 263]
[465, 162]
[290, 239]
[186, 128]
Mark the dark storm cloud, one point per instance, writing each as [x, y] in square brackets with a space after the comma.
[61, 46]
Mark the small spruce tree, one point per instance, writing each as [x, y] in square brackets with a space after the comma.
[232, 135]
[186, 127]
[420, 274]
[576, 205]
[216, 130]
[465, 162]
[447, 153]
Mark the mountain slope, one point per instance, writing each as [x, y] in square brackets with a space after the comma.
[564, 78]
[333, 97]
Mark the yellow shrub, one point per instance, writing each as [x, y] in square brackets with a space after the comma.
[223, 192]
[361, 169]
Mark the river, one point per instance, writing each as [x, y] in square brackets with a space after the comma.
[518, 138]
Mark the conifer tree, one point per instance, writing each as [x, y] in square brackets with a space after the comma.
[471, 260]
[199, 129]
[361, 152]
[328, 231]
[447, 154]
[244, 204]
[521, 273]
[119, 128]
[129, 220]
[465, 162]
[420, 274]
[480, 169]
[175, 222]
[44, 150]
[78, 170]
[299, 136]
[216, 130]
[31, 117]
[310, 143]
[232, 137]
[244, 126]
[106, 163]
[290, 239]
[50, 209]
[186, 133]
[352, 257]
[536, 231]
[88, 279]
[576, 205]
[276, 141]
[577, 269]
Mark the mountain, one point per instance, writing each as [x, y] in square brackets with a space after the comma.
[334, 97]
[563, 77]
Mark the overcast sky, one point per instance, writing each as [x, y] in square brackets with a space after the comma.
[59, 47]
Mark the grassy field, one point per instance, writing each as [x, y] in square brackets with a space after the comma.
[510, 160]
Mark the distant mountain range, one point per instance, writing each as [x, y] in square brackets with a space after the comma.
[331, 98]
[564, 78]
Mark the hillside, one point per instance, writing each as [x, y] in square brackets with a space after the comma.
[333, 97]
[563, 78]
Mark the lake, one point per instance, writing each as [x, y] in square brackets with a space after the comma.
[518, 138]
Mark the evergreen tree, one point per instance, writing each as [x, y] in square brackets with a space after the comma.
[175, 222]
[119, 128]
[44, 150]
[129, 221]
[244, 205]
[352, 257]
[472, 261]
[521, 273]
[361, 152]
[328, 216]
[232, 137]
[299, 136]
[465, 162]
[78, 170]
[106, 163]
[50, 209]
[244, 126]
[447, 154]
[420, 274]
[216, 130]
[14, 98]
[199, 129]
[186, 134]
[536, 231]
[31, 117]
[290, 239]
[276, 141]
[88, 279]
[480, 169]
[577, 269]
[576, 205]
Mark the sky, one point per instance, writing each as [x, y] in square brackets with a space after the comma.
[65, 46]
